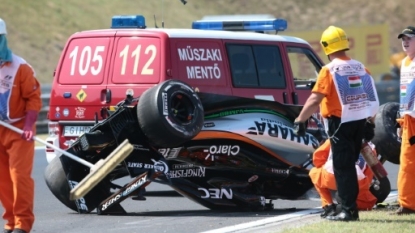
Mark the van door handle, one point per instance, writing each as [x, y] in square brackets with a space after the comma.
[284, 97]
[295, 98]
[106, 93]
[107, 96]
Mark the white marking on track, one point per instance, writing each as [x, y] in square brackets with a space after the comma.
[276, 219]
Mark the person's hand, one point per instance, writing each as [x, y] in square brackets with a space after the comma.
[27, 133]
[30, 120]
[299, 128]
[369, 131]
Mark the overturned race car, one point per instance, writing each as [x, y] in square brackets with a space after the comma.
[223, 152]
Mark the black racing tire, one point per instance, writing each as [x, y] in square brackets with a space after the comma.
[57, 183]
[382, 191]
[386, 138]
[170, 113]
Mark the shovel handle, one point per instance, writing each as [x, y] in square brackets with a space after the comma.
[64, 152]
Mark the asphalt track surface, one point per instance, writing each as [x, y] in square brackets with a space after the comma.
[163, 211]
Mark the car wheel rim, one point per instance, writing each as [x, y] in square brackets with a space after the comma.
[182, 108]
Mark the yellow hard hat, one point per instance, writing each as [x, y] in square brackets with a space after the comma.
[334, 39]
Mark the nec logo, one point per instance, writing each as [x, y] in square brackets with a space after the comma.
[216, 193]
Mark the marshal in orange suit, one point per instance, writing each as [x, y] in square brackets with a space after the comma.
[323, 179]
[20, 104]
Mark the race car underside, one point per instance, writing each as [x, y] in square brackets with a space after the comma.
[223, 152]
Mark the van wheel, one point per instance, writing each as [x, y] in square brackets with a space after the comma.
[170, 113]
[56, 181]
[381, 190]
[386, 139]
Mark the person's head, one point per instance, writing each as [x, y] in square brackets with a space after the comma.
[334, 40]
[3, 30]
[5, 52]
[408, 41]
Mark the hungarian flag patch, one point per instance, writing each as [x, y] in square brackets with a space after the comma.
[354, 81]
[403, 90]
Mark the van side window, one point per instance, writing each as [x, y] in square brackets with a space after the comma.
[304, 65]
[269, 64]
[256, 66]
[242, 66]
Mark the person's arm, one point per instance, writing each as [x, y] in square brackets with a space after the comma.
[29, 88]
[320, 90]
[310, 107]
[30, 93]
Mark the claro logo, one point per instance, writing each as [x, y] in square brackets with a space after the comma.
[80, 203]
[215, 193]
[222, 150]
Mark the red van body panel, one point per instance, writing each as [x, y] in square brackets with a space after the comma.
[98, 68]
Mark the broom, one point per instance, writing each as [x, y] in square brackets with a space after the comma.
[98, 171]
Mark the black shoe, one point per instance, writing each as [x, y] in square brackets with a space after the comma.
[345, 216]
[17, 230]
[329, 210]
[7, 231]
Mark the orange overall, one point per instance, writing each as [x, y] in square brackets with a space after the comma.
[16, 154]
[324, 181]
[406, 174]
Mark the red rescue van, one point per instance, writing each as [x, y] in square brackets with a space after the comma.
[98, 68]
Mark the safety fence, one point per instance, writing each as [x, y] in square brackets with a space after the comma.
[42, 120]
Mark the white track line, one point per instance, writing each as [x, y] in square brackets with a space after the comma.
[265, 221]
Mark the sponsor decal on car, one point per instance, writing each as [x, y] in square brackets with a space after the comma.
[140, 147]
[110, 201]
[125, 192]
[273, 121]
[165, 104]
[190, 172]
[209, 124]
[216, 193]
[221, 150]
[262, 200]
[280, 131]
[169, 153]
[134, 186]
[182, 166]
[158, 166]
[80, 203]
[278, 171]
[252, 178]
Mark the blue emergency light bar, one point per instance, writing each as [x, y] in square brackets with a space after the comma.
[248, 25]
[128, 21]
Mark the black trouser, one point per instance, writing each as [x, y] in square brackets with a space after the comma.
[345, 145]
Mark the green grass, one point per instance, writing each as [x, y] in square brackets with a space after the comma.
[38, 29]
[370, 222]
